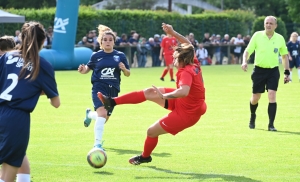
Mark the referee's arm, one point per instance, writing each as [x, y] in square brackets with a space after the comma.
[285, 61]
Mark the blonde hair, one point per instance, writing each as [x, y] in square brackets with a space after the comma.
[104, 30]
[293, 34]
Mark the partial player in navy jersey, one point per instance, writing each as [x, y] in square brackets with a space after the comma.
[24, 76]
[7, 43]
[294, 58]
[107, 64]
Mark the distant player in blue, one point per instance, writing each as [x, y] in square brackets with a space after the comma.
[294, 57]
[24, 76]
[107, 65]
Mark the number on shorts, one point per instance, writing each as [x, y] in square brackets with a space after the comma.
[5, 94]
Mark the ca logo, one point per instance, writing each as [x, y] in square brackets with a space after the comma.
[108, 72]
[60, 25]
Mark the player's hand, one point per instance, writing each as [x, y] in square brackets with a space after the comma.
[122, 66]
[160, 95]
[167, 28]
[81, 68]
[244, 66]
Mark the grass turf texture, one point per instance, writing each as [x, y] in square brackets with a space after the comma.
[220, 147]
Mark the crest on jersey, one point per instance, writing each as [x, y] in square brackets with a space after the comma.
[117, 58]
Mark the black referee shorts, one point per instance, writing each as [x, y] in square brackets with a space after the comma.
[264, 79]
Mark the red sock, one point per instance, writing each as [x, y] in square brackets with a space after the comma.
[149, 146]
[131, 98]
[164, 73]
[171, 74]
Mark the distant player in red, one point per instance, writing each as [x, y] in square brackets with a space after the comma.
[167, 45]
[186, 101]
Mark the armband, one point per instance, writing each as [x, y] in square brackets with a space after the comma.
[287, 72]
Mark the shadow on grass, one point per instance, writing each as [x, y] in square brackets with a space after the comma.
[279, 131]
[135, 152]
[187, 175]
[103, 173]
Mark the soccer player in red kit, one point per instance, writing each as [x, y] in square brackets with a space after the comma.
[167, 49]
[186, 101]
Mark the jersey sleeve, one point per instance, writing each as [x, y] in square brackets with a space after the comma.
[186, 78]
[252, 44]
[125, 61]
[48, 82]
[92, 63]
[283, 49]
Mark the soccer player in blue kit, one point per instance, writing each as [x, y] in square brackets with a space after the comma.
[294, 58]
[24, 76]
[107, 65]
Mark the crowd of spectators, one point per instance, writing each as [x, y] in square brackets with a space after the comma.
[144, 52]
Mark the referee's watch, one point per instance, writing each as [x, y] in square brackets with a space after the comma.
[287, 72]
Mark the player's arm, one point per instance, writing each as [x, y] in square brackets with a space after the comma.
[285, 60]
[182, 91]
[169, 30]
[55, 101]
[161, 53]
[83, 69]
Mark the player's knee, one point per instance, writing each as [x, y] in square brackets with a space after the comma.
[151, 132]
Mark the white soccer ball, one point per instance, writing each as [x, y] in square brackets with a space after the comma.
[97, 157]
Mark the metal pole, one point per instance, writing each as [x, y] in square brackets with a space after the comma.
[170, 6]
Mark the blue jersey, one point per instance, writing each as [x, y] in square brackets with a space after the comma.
[23, 93]
[106, 69]
[293, 48]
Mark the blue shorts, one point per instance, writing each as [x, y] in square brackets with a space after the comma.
[106, 90]
[295, 62]
[14, 135]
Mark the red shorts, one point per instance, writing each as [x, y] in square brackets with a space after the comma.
[178, 120]
[168, 59]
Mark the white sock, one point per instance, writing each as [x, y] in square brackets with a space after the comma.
[23, 178]
[92, 115]
[291, 75]
[98, 129]
[299, 74]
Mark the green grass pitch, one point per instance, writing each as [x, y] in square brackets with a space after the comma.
[220, 147]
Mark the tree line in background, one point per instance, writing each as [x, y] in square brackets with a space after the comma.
[287, 10]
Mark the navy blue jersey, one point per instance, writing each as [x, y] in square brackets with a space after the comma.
[23, 93]
[293, 48]
[106, 69]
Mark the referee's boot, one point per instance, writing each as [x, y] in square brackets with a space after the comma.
[271, 128]
[137, 160]
[252, 121]
[107, 101]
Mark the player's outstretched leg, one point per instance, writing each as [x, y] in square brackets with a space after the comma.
[105, 100]
[137, 160]
[87, 120]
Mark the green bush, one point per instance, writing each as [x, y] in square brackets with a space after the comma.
[145, 22]
[258, 25]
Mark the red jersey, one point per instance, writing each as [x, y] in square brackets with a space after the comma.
[191, 75]
[167, 44]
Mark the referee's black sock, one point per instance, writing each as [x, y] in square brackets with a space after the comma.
[272, 108]
[253, 108]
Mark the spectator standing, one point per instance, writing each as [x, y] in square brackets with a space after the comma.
[142, 50]
[202, 55]
[156, 51]
[238, 42]
[225, 42]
